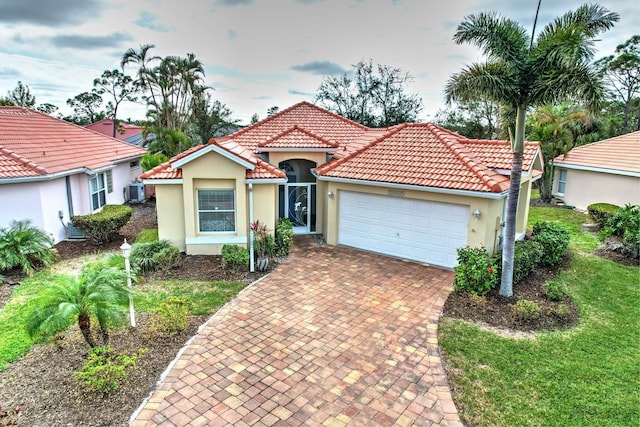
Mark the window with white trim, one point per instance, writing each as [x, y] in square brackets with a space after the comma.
[98, 192]
[109, 177]
[216, 211]
[562, 180]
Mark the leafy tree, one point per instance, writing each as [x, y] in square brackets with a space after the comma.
[6, 102]
[151, 160]
[523, 71]
[473, 119]
[255, 118]
[622, 72]
[25, 245]
[556, 127]
[375, 96]
[86, 107]
[21, 96]
[47, 108]
[272, 110]
[120, 87]
[99, 291]
[210, 118]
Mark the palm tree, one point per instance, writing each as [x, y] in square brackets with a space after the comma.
[556, 127]
[523, 71]
[143, 59]
[99, 291]
[25, 245]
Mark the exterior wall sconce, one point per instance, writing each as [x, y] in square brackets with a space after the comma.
[330, 195]
[476, 214]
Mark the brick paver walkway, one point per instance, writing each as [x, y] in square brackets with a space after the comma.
[332, 337]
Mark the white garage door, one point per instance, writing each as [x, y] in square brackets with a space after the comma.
[424, 231]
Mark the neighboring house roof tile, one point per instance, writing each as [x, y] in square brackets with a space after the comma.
[123, 132]
[44, 145]
[621, 153]
[420, 154]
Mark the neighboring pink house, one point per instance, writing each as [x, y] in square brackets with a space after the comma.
[51, 170]
[125, 132]
[607, 171]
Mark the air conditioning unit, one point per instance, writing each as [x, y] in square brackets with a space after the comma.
[136, 192]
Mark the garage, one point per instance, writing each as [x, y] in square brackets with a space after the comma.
[419, 230]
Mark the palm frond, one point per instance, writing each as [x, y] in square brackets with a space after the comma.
[495, 81]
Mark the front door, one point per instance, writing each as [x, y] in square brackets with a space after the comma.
[300, 206]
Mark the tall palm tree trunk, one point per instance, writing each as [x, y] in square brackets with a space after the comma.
[84, 322]
[506, 283]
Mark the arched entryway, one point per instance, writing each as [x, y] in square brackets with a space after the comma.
[298, 196]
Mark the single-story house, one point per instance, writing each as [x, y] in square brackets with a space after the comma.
[415, 190]
[607, 171]
[51, 170]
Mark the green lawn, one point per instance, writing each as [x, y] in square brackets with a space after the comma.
[203, 298]
[587, 376]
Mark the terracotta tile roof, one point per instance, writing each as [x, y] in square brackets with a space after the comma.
[35, 144]
[620, 153]
[265, 170]
[498, 155]
[313, 119]
[418, 154]
[124, 131]
[297, 138]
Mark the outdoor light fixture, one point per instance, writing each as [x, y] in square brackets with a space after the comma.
[476, 214]
[330, 195]
[126, 253]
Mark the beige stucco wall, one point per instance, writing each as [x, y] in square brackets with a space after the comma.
[265, 204]
[482, 232]
[523, 207]
[170, 211]
[586, 187]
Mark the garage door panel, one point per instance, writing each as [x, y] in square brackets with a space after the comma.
[419, 230]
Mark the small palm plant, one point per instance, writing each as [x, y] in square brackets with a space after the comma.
[25, 245]
[99, 291]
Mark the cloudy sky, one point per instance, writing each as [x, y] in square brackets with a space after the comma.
[257, 53]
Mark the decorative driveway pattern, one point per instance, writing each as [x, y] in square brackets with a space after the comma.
[332, 337]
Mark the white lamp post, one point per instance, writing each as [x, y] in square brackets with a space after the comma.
[126, 252]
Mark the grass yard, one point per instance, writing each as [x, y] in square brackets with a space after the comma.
[586, 376]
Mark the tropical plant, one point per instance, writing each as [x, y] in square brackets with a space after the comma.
[156, 255]
[263, 242]
[523, 71]
[475, 272]
[151, 160]
[556, 127]
[284, 236]
[105, 369]
[625, 223]
[26, 246]
[99, 291]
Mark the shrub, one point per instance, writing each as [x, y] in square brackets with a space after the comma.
[104, 226]
[26, 246]
[475, 272]
[152, 256]
[561, 310]
[526, 258]
[284, 237]
[601, 212]
[477, 300]
[105, 369]
[171, 317]
[235, 256]
[554, 291]
[554, 239]
[625, 223]
[526, 310]
[263, 242]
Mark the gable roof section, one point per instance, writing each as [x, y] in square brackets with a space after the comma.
[419, 154]
[619, 155]
[497, 155]
[297, 138]
[33, 144]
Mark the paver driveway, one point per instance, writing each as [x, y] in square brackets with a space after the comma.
[332, 337]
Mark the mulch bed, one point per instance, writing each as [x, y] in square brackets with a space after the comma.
[42, 383]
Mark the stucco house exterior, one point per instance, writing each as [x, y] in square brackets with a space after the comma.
[51, 170]
[607, 171]
[415, 191]
[127, 132]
